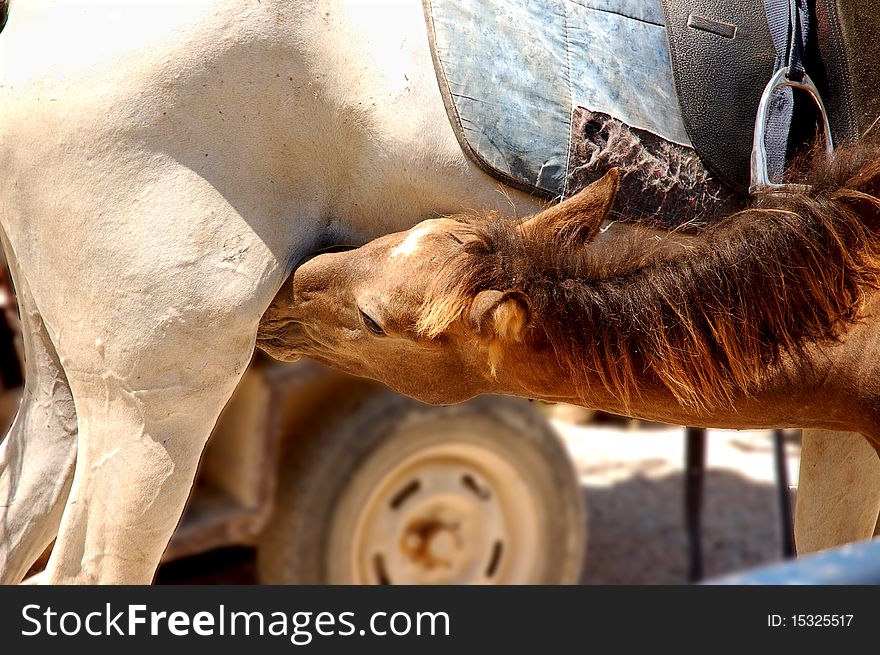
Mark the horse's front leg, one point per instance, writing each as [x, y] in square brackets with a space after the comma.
[140, 439]
[838, 496]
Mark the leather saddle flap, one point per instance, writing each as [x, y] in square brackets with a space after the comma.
[722, 56]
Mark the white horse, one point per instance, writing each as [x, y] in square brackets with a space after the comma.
[164, 165]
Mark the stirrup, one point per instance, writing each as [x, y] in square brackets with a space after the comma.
[760, 178]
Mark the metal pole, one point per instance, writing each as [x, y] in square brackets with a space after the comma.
[785, 513]
[694, 477]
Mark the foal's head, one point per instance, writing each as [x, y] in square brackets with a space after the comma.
[431, 311]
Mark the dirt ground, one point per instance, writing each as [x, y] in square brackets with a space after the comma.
[632, 478]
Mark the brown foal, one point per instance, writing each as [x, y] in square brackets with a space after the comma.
[765, 319]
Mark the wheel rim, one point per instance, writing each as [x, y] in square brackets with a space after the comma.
[453, 513]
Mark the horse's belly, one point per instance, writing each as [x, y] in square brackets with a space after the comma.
[399, 159]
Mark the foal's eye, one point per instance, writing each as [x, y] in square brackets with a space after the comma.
[372, 326]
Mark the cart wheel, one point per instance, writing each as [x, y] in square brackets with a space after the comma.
[403, 493]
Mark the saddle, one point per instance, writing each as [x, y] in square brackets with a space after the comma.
[548, 95]
[723, 54]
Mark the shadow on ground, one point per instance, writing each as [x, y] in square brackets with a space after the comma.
[635, 529]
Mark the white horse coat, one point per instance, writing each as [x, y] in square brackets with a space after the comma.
[163, 166]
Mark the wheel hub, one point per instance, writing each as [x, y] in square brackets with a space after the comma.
[432, 544]
[454, 514]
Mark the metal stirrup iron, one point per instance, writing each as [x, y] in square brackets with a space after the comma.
[760, 178]
[789, 36]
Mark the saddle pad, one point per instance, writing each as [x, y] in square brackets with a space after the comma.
[546, 95]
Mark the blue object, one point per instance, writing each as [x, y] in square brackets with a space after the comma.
[853, 564]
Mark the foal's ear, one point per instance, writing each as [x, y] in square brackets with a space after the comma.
[501, 314]
[576, 221]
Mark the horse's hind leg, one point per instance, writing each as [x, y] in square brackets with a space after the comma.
[838, 498]
[38, 454]
[138, 451]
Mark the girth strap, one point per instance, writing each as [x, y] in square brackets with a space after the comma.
[789, 24]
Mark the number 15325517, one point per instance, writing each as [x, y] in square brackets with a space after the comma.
[809, 620]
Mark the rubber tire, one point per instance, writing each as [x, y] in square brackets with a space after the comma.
[317, 470]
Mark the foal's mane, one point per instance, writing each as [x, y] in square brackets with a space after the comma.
[711, 323]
